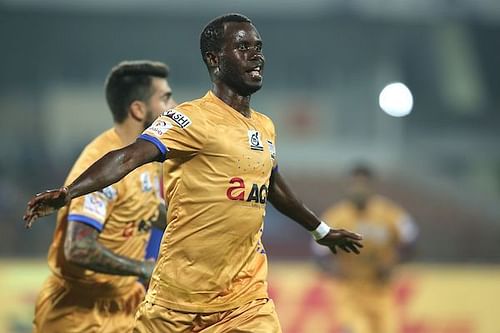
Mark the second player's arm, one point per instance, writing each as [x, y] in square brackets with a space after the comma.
[81, 247]
[285, 201]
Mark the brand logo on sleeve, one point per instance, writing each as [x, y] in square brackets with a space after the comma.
[254, 139]
[272, 149]
[160, 127]
[178, 117]
[95, 203]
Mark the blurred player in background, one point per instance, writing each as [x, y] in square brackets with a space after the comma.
[220, 170]
[97, 255]
[365, 296]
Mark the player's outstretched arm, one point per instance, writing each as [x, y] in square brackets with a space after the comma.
[82, 248]
[108, 170]
[285, 201]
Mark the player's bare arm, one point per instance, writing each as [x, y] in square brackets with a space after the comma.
[82, 248]
[106, 171]
[285, 201]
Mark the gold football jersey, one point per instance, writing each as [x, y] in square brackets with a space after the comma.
[211, 257]
[120, 212]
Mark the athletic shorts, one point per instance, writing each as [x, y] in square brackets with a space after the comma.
[258, 316]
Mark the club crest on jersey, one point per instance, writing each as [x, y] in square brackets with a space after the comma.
[178, 117]
[254, 140]
[146, 183]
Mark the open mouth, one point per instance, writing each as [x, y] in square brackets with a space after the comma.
[256, 72]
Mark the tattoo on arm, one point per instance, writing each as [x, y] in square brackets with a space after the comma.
[285, 201]
[82, 248]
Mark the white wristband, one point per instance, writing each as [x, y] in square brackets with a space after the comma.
[321, 231]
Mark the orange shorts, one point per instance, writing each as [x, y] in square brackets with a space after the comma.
[258, 316]
[62, 307]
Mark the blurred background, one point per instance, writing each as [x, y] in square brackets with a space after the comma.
[327, 63]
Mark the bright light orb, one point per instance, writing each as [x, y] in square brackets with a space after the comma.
[396, 100]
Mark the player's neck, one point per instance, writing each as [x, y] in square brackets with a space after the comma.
[129, 130]
[233, 99]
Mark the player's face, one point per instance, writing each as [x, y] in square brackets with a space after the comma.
[241, 62]
[160, 100]
[360, 190]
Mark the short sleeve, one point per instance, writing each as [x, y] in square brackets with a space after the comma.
[272, 150]
[183, 129]
[272, 144]
[94, 208]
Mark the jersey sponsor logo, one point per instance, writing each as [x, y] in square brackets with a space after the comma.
[257, 194]
[254, 139]
[146, 183]
[132, 228]
[178, 117]
[95, 204]
[160, 127]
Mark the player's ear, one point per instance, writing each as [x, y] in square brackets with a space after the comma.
[212, 59]
[137, 110]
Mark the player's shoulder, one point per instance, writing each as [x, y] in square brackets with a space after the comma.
[94, 150]
[338, 208]
[186, 113]
[101, 144]
[265, 120]
[262, 117]
[388, 205]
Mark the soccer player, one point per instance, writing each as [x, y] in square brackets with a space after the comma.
[365, 295]
[96, 257]
[220, 169]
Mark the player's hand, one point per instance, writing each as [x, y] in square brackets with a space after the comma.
[45, 203]
[343, 239]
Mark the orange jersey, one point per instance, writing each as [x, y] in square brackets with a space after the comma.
[211, 258]
[384, 226]
[120, 212]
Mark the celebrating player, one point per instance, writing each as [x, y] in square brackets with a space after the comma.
[100, 238]
[220, 170]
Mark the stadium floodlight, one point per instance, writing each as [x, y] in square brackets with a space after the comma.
[396, 99]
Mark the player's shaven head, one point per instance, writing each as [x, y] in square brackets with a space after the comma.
[212, 36]
[130, 81]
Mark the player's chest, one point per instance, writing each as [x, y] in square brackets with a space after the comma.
[246, 147]
[376, 229]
